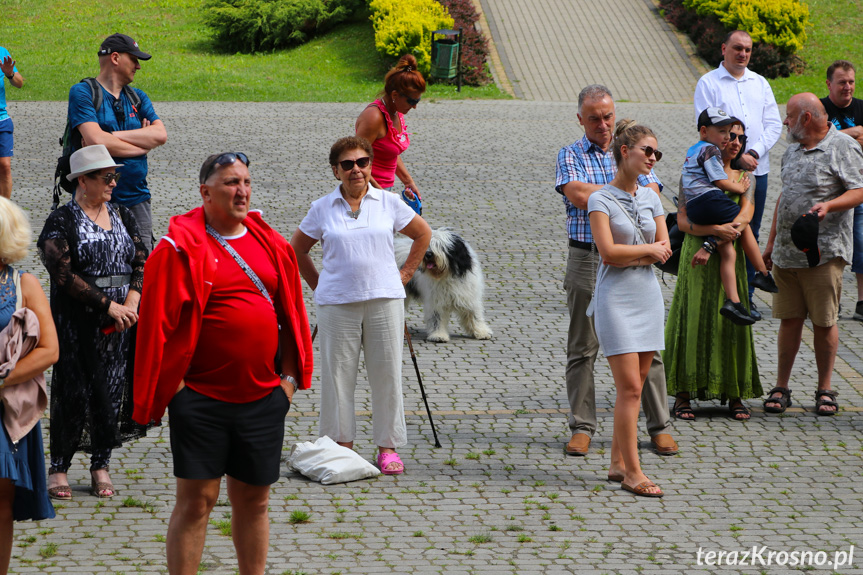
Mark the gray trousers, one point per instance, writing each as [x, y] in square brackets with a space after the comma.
[582, 347]
[145, 222]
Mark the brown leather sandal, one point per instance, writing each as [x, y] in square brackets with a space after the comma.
[56, 491]
[642, 489]
[98, 488]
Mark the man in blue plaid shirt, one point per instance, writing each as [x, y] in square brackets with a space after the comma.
[583, 168]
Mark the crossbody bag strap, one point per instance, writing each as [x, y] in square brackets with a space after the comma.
[240, 261]
[635, 225]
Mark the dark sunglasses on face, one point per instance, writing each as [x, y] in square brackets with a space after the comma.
[348, 165]
[224, 160]
[649, 151]
[742, 137]
[411, 101]
[107, 178]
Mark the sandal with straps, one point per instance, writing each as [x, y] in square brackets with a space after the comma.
[784, 400]
[682, 408]
[101, 489]
[737, 408]
[821, 402]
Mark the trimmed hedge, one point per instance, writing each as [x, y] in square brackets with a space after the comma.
[405, 26]
[474, 45]
[777, 27]
[264, 25]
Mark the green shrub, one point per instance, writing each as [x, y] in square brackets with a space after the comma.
[262, 25]
[781, 23]
[405, 26]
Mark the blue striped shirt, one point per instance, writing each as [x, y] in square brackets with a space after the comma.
[585, 162]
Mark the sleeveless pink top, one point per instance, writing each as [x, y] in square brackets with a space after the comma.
[388, 148]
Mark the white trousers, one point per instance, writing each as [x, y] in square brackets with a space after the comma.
[378, 327]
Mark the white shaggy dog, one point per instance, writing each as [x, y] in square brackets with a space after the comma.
[448, 280]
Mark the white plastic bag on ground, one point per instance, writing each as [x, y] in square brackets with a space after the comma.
[328, 462]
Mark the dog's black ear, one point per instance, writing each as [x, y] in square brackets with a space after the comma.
[460, 261]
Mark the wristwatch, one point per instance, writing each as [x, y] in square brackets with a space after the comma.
[10, 76]
[754, 154]
[288, 378]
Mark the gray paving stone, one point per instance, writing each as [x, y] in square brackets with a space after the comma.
[486, 169]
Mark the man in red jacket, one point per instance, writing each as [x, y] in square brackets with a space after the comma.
[223, 301]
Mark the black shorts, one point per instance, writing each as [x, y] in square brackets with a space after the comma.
[712, 208]
[212, 438]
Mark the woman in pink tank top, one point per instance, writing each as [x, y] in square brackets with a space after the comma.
[383, 124]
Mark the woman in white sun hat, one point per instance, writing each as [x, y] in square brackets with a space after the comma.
[95, 256]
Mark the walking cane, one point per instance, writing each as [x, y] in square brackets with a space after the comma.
[422, 389]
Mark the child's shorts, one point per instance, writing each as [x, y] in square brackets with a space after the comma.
[712, 208]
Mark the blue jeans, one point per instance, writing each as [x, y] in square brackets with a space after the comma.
[755, 222]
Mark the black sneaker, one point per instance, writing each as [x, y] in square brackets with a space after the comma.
[858, 311]
[735, 312]
[754, 313]
[764, 282]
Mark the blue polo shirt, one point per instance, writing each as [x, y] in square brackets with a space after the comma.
[3, 114]
[132, 186]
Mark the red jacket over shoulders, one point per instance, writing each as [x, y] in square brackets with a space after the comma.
[177, 281]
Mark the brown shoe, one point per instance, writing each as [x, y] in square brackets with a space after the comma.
[579, 444]
[664, 444]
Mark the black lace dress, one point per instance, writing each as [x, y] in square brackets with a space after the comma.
[91, 391]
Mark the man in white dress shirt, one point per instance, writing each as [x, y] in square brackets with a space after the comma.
[745, 95]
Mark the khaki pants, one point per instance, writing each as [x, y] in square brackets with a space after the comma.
[582, 347]
[377, 327]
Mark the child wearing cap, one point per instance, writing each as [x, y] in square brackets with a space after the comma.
[703, 184]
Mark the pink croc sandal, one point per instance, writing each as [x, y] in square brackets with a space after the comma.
[385, 459]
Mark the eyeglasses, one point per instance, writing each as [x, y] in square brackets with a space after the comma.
[411, 101]
[223, 160]
[348, 165]
[107, 178]
[649, 151]
[742, 137]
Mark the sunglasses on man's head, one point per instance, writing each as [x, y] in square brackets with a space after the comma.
[224, 160]
[348, 165]
[107, 178]
[411, 101]
[649, 151]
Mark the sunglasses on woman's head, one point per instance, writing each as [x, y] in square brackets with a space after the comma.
[348, 165]
[411, 101]
[650, 151]
[107, 178]
[224, 160]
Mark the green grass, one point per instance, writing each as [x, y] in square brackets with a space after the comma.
[55, 42]
[834, 34]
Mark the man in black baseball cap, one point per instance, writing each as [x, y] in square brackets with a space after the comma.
[121, 118]
[123, 44]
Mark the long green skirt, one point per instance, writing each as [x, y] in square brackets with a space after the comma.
[706, 354]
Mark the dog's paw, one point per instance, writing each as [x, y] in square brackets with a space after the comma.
[482, 333]
[438, 337]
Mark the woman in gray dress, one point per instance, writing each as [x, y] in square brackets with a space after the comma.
[628, 227]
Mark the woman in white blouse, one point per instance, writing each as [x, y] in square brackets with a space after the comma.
[359, 295]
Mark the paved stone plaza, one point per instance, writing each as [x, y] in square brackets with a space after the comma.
[499, 496]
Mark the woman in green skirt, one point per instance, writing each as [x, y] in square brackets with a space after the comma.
[707, 357]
